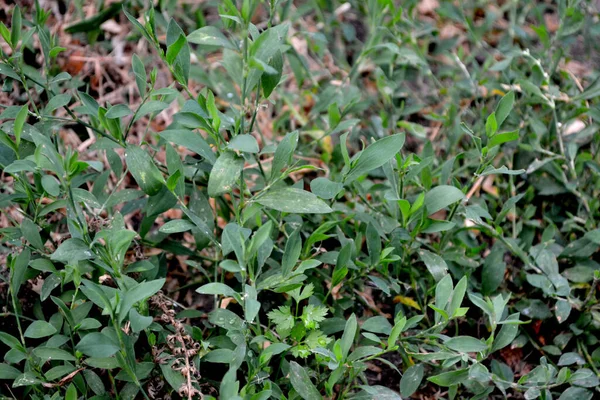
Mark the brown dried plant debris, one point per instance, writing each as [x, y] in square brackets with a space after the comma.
[179, 346]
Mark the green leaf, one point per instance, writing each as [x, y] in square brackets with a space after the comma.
[434, 263]
[396, 331]
[136, 294]
[15, 29]
[491, 126]
[97, 344]
[377, 324]
[493, 270]
[450, 378]
[174, 49]
[576, 393]
[292, 200]
[268, 82]
[465, 344]
[301, 382]
[225, 319]
[457, 296]
[282, 318]
[291, 255]
[8, 372]
[139, 322]
[150, 107]
[140, 74]
[224, 174]
[375, 156]
[210, 36]
[505, 106]
[72, 250]
[190, 140]
[8, 71]
[57, 102]
[176, 226]
[139, 26]
[143, 169]
[502, 170]
[507, 333]
[373, 243]
[50, 353]
[217, 288]
[39, 329]
[411, 380]
[5, 33]
[441, 197]
[19, 123]
[31, 233]
[246, 143]
[94, 382]
[324, 188]
[283, 154]
[348, 336]
[178, 52]
[503, 137]
[118, 111]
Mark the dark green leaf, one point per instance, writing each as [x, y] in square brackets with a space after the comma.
[97, 345]
[411, 380]
[143, 169]
[39, 329]
[375, 156]
[301, 382]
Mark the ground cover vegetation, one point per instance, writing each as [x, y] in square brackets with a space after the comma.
[247, 199]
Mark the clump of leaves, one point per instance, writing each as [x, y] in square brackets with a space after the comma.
[423, 207]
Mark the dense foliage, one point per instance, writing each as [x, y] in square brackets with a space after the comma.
[300, 200]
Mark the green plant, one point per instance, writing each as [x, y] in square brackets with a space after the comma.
[422, 207]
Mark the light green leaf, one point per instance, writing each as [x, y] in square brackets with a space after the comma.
[292, 200]
[450, 378]
[434, 263]
[217, 288]
[465, 344]
[324, 188]
[441, 197]
[225, 173]
[246, 143]
[176, 226]
[19, 123]
[491, 126]
[505, 106]
[210, 36]
[503, 137]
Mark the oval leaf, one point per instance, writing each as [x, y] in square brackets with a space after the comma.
[292, 200]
